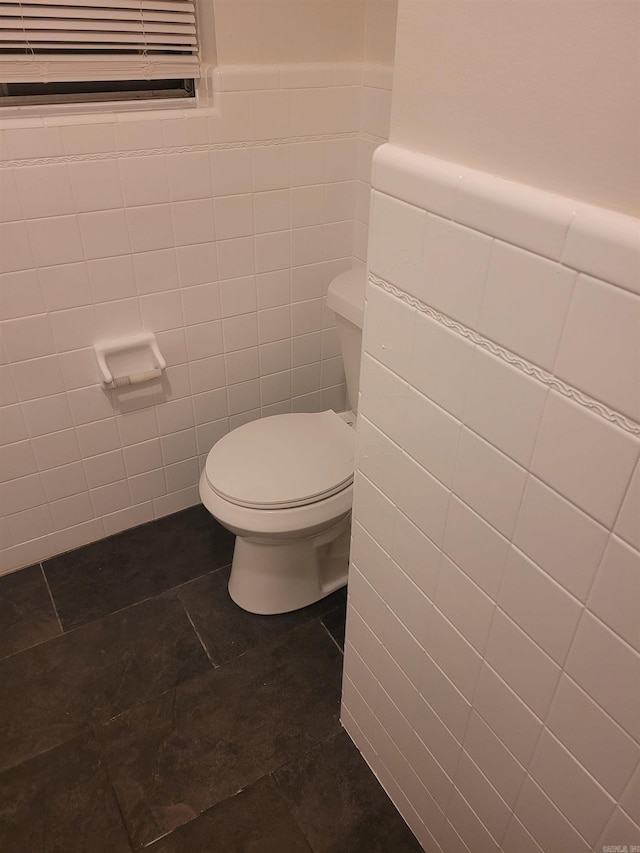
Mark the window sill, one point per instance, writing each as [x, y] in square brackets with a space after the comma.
[62, 115]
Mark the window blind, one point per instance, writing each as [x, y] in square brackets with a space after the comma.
[64, 40]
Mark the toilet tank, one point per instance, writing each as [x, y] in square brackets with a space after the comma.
[345, 297]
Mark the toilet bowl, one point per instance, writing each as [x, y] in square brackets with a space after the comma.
[284, 486]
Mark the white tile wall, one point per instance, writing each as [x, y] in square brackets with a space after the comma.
[497, 472]
[374, 124]
[217, 230]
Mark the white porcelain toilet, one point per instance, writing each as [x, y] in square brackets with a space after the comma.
[284, 486]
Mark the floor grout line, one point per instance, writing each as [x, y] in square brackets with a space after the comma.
[197, 633]
[53, 603]
[336, 643]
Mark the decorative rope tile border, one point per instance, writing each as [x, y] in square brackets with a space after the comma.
[516, 361]
[371, 137]
[179, 149]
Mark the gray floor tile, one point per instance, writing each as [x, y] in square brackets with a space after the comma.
[114, 573]
[52, 692]
[27, 616]
[238, 749]
[179, 754]
[339, 804]
[61, 801]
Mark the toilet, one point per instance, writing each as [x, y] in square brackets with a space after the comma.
[284, 486]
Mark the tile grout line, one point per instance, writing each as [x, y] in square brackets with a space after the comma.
[195, 630]
[107, 770]
[292, 815]
[161, 594]
[53, 603]
[335, 642]
[280, 790]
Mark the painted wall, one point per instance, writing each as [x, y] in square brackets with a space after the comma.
[283, 31]
[546, 92]
[380, 31]
[217, 231]
[492, 662]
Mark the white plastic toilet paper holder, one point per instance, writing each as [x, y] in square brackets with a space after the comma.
[129, 361]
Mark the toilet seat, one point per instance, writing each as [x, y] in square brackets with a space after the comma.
[283, 461]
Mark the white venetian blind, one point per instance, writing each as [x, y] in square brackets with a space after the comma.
[61, 40]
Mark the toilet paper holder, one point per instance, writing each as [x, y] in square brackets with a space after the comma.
[129, 361]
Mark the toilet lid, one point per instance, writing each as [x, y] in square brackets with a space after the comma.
[283, 461]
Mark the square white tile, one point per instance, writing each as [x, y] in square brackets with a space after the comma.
[55, 240]
[488, 482]
[592, 737]
[150, 227]
[21, 295]
[271, 211]
[105, 233]
[464, 604]
[451, 707]
[454, 266]
[202, 303]
[522, 215]
[144, 180]
[545, 822]
[272, 169]
[578, 796]
[198, 264]
[627, 522]
[615, 594]
[64, 481]
[440, 364]
[189, 175]
[28, 337]
[506, 715]
[236, 258]
[389, 331]
[538, 605]
[45, 191]
[560, 538]
[504, 405]
[383, 398]
[397, 236]
[501, 768]
[584, 457]
[530, 672]
[95, 185]
[233, 216]
[110, 278]
[605, 244]
[193, 221]
[453, 653]
[415, 553]
[476, 547]
[161, 311]
[600, 347]
[525, 303]
[607, 669]
[490, 813]
[231, 171]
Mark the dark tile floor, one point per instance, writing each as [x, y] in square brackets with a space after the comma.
[139, 707]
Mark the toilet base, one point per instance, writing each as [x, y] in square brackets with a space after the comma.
[269, 578]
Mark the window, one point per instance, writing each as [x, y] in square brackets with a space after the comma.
[61, 51]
